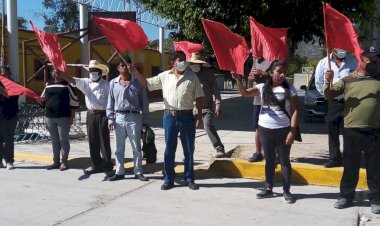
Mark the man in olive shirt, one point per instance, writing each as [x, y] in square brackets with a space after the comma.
[361, 127]
[180, 89]
[210, 89]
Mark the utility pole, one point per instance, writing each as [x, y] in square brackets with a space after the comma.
[12, 27]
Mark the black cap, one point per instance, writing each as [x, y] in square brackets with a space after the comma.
[370, 51]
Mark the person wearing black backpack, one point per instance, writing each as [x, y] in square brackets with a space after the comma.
[278, 123]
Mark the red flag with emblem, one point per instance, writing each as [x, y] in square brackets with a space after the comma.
[187, 47]
[50, 46]
[122, 34]
[268, 43]
[231, 49]
[14, 89]
[340, 32]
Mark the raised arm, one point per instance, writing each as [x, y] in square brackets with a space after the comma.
[251, 92]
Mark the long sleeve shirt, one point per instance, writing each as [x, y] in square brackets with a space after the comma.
[178, 93]
[348, 65]
[361, 104]
[132, 97]
[210, 89]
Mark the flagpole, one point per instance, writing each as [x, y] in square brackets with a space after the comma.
[327, 49]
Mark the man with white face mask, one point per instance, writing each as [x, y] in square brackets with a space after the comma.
[180, 89]
[96, 90]
[210, 89]
[342, 64]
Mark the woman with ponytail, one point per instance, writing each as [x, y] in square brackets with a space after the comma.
[278, 121]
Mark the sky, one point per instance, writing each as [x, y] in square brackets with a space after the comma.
[33, 10]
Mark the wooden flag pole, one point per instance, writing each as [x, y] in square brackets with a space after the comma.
[326, 43]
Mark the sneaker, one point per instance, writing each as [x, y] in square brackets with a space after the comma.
[10, 166]
[64, 166]
[375, 207]
[220, 154]
[256, 157]
[266, 193]
[343, 203]
[289, 198]
[2, 164]
[331, 164]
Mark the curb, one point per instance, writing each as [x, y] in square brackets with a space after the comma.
[301, 173]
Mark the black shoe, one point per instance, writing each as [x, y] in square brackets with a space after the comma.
[192, 186]
[375, 207]
[167, 186]
[289, 198]
[220, 154]
[256, 157]
[331, 164]
[343, 203]
[53, 166]
[266, 193]
[141, 177]
[116, 177]
[92, 170]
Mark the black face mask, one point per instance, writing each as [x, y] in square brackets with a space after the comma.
[371, 69]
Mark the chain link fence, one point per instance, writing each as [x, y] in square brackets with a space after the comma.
[31, 125]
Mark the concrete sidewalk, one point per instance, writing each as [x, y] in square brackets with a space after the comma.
[225, 197]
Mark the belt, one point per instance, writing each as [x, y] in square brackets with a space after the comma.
[127, 112]
[339, 99]
[95, 111]
[178, 112]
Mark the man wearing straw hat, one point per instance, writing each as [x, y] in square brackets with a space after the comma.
[96, 90]
[210, 89]
[342, 64]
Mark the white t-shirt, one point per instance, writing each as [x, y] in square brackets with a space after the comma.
[272, 117]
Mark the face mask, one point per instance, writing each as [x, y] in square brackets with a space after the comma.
[181, 66]
[195, 68]
[278, 78]
[94, 76]
[340, 53]
[371, 69]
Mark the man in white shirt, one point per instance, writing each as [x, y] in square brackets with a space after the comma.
[342, 64]
[180, 89]
[96, 91]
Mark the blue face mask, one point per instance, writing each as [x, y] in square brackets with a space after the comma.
[340, 53]
[181, 66]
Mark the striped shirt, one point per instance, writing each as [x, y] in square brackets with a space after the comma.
[59, 100]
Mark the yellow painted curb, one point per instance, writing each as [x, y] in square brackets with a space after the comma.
[301, 173]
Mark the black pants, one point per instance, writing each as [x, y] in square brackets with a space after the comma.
[99, 140]
[7, 132]
[273, 140]
[356, 141]
[334, 121]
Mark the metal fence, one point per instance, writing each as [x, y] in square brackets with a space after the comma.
[31, 125]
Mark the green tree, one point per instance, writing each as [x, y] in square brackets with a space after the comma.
[303, 17]
[64, 16]
[21, 21]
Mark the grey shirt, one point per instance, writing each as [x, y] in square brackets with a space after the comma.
[210, 89]
[131, 97]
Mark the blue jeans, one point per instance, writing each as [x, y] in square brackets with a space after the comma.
[185, 125]
[128, 125]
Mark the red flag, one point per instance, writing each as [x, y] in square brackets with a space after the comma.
[187, 48]
[122, 34]
[231, 49]
[14, 89]
[269, 43]
[339, 32]
[50, 46]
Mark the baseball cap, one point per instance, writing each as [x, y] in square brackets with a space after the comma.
[370, 51]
